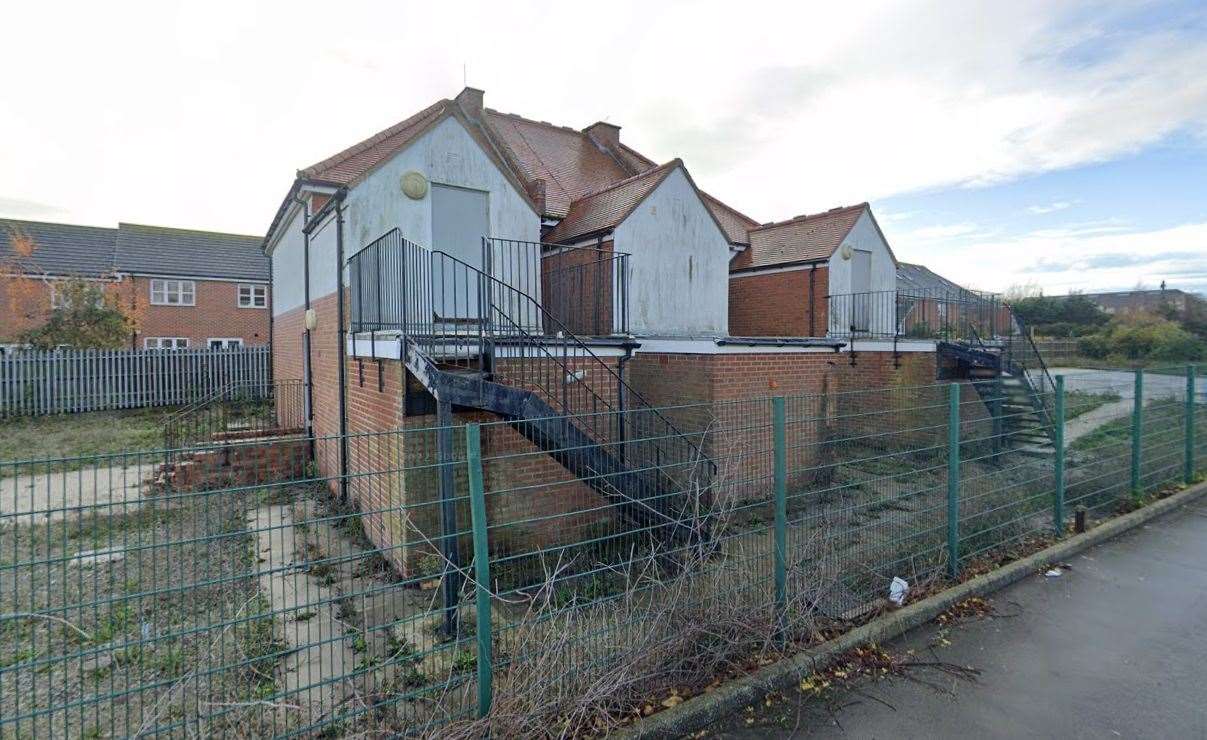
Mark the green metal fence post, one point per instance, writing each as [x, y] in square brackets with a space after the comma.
[477, 511]
[1188, 473]
[1058, 495]
[953, 480]
[781, 510]
[1137, 424]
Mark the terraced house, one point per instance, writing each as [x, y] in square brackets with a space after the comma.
[186, 289]
[469, 264]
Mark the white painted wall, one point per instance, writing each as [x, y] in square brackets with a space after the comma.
[864, 236]
[289, 265]
[448, 155]
[679, 269]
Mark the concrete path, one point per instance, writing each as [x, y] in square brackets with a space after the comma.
[1115, 647]
[1123, 383]
[49, 497]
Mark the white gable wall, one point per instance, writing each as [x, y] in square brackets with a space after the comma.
[864, 236]
[679, 268]
[446, 155]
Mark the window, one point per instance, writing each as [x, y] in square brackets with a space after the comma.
[59, 299]
[166, 343]
[253, 296]
[173, 293]
[224, 342]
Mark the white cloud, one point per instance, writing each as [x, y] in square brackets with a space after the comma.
[1074, 257]
[198, 114]
[1059, 205]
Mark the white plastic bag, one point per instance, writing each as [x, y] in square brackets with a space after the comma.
[898, 590]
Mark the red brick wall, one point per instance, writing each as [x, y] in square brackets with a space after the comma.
[776, 304]
[727, 396]
[25, 304]
[216, 314]
[576, 288]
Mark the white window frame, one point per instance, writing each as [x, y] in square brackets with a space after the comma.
[57, 299]
[158, 342]
[226, 342]
[173, 292]
[257, 295]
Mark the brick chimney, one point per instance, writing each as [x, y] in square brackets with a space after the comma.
[605, 135]
[471, 101]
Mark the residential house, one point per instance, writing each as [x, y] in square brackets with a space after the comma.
[1141, 301]
[185, 288]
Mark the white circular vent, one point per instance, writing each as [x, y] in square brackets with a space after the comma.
[414, 185]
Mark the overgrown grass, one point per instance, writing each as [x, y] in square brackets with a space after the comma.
[1079, 403]
[71, 435]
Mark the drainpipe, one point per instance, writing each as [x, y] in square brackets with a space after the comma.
[812, 308]
[306, 357]
[341, 349]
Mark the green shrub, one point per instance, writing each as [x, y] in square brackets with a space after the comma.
[1142, 336]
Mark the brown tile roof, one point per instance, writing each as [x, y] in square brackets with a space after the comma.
[607, 207]
[808, 238]
[353, 163]
[734, 223]
[569, 162]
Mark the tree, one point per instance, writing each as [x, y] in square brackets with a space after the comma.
[1071, 315]
[86, 317]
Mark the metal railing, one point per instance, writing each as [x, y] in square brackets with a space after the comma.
[466, 320]
[239, 410]
[946, 315]
[584, 288]
[1022, 357]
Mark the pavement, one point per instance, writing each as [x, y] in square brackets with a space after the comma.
[1114, 647]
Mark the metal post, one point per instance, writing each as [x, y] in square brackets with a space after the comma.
[1137, 424]
[781, 511]
[953, 480]
[1058, 498]
[1188, 473]
[477, 510]
[448, 516]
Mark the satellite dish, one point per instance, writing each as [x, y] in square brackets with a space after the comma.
[845, 251]
[414, 185]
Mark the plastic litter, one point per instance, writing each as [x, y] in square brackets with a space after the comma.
[1054, 573]
[898, 590]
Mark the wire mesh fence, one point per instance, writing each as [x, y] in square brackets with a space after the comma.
[227, 589]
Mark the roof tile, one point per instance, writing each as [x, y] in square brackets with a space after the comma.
[808, 238]
[607, 207]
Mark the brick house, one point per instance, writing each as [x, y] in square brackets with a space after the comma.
[467, 264]
[186, 288]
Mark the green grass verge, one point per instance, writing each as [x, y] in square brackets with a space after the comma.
[1078, 403]
[70, 435]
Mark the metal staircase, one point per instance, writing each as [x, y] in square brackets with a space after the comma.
[476, 342]
[1011, 378]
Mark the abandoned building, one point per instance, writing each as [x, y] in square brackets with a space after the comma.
[467, 264]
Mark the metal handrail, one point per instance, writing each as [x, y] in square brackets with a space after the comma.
[563, 336]
[458, 315]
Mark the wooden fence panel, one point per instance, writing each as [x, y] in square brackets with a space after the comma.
[34, 383]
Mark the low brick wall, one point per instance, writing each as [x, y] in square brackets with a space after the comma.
[235, 465]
